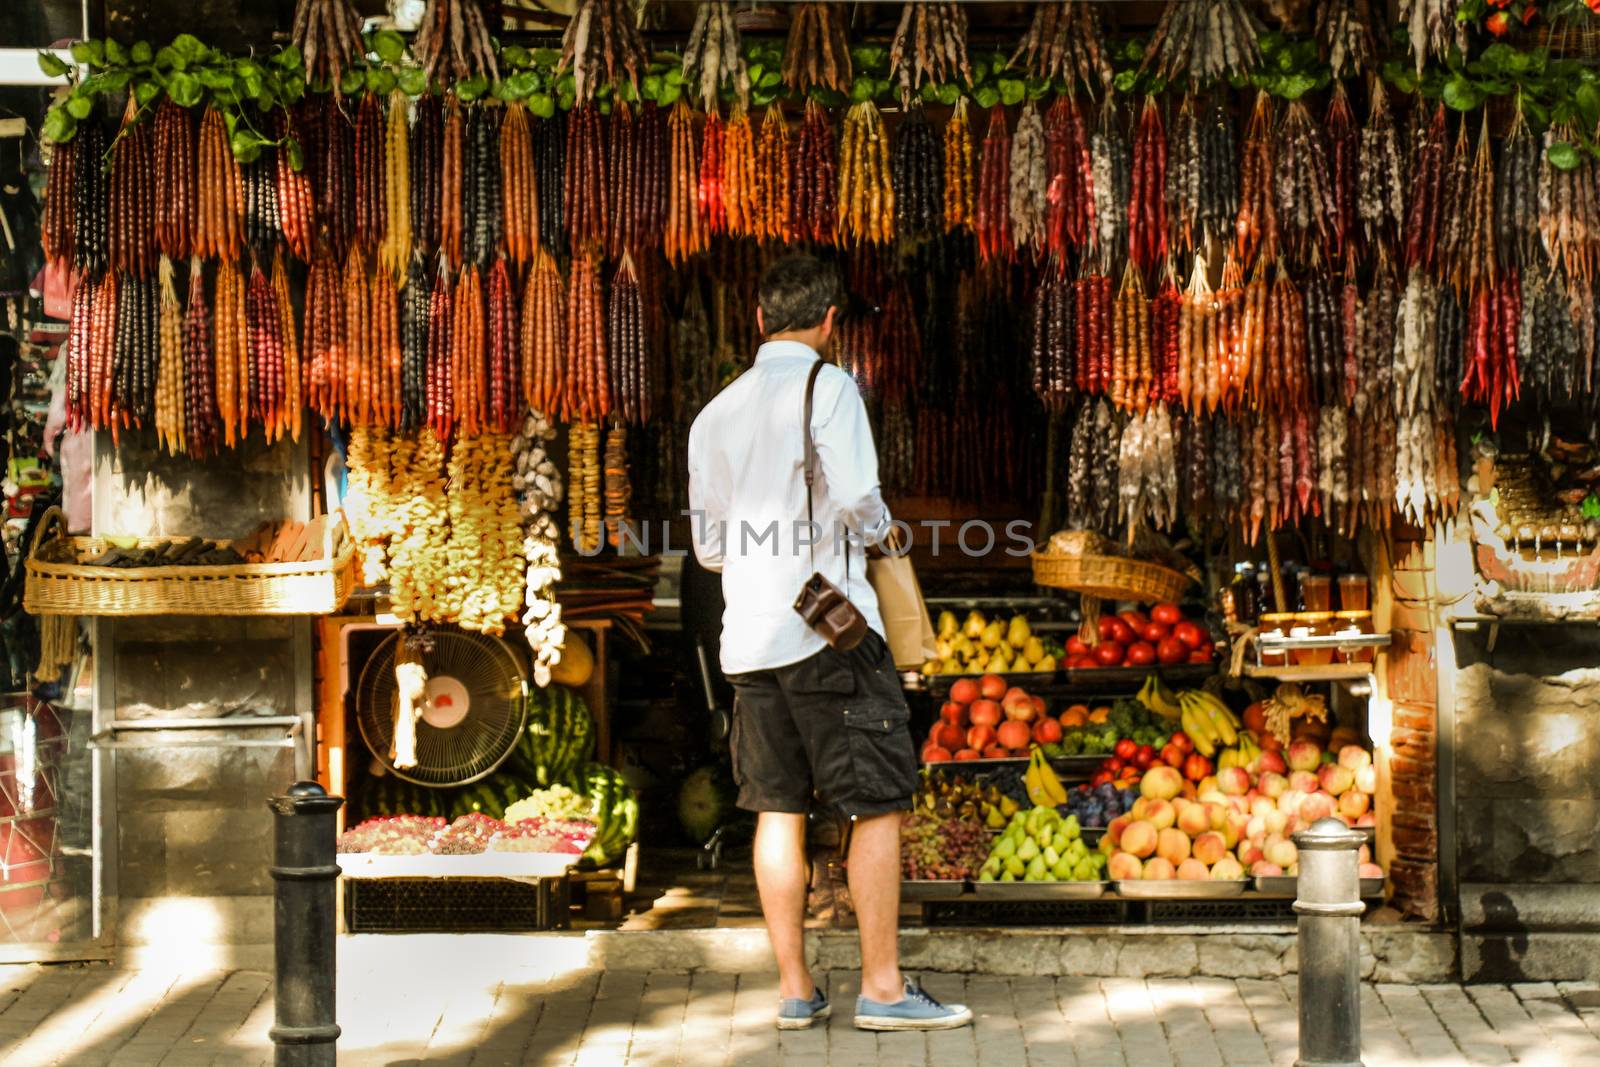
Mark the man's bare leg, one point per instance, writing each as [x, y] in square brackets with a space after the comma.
[780, 862]
[875, 894]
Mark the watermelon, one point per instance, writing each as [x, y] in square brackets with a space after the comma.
[557, 736]
[704, 801]
[614, 808]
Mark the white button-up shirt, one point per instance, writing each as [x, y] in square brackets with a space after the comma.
[747, 494]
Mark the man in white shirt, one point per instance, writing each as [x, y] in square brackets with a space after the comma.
[807, 717]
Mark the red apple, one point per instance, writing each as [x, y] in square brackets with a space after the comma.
[1271, 763]
[1170, 650]
[1047, 731]
[951, 736]
[1155, 633]
[980, 737]
[1166, 614]
[968, 753]
[1110, 653]
[1014, 733]
[984, 713]
[1305, 756]
[992, 686]
[1171, 755]
[1076, 647]
[996, 752]
[1190, 634]
[952, 713]
[1141, 654]
[934, 754]
[964, 691]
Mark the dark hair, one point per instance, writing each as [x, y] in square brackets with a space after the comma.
[796, 293]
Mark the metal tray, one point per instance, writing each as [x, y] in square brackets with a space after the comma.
[1284, 885]
[1039, 890]
[1179, 889]
[931, 889]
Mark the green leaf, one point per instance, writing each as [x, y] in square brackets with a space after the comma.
[1461, 95]
[987, 96]
[167, 59]
[52, 65]
[627, 92]
[763, 97]
[1012, 90]
[79, 105]
[650, 88]
[140, 52]
[117, 80]
[1587, 97]
[770, 80]
[225, 98]
[868, 56]
[472, 88]
[547, 57]
[116, 55]
[292, 90]
[541, 105]
[669, 95]
[1123, 82]
[81, 52]
[413, 81]
[215, 79]
[675, 76]
[1590, 507]
[351, 81]
[189, 47]
[59, 125]
[515, 56]
[296, 154]
[380, 80]
[861, 89]
[519, 85]
[290, 58]
[1297, 85]
[144, 92]
[1563, 156]
[948, 94]
[567, 100]
[754, 71]
[389, 45]
[568, 83]
[185, 89]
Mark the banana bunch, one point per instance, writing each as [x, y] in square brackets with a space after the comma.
[1243, 753]
[1044, 788]
[1207, 721]
[1161, 701]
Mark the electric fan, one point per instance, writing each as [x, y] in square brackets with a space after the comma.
[471, 711]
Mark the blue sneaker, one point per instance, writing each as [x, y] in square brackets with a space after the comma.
[797, 1014]
[917, 1010]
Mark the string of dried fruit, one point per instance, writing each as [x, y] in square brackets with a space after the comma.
[352, 381]
[1029, 181]
[1065, 40]
[602, 33]
[1052, 343]
[519, 203]
[334, 180]
[265, 384]
[1147, 205]
[773, 176]
[369, 188]
[1380, 174]
[918, 183]
[414, 326]
[1569, 216]
[866, 189]
[1426, 191]
[1203, 41]
[1414, 474]
[1344, 148]
[230, 343]
[90, 196]
[1333, 481]
[169, 420]
[1069, 211]
[1516, 214]
[583, 481]
[1433, 28]
[622, 177]
[132, 209]
[452, 42]
[328, 34]
[324, 336]
[1105, 475]
[440, 386]
[1286, 346]
[427, 174]
[132, 352]
[1491, 346]
[293, 388]
[816, 54]
[1132, 366]
[960, 187]
[588, 387]
[261, 227]
[55, 223]
[740, 200]
[88, 362]
[1256, 226]
[814, 197]
[386, 356]
[709, 184]
[482, 224]
[550, 165]
[1185, 173]
[544, 339]
[468, 390]
[199, 369]
[485, 542]
[1110, 169]
[452, 183]
[1475, 261]
[1325, 340]
[992, 223]
[1147, 472]
[1376, 345]
[395, 250]
[627, 345]
[685, 235]
[1416, 339]
[929, 44]
[505, 357]
[1233, 374]
[651, 163]
[1302, 183]
[216, 233]
[296, 202]
[1450, 246]
[538, 483]
[586, 179]
[1079, 479]
[618, 489]
[715, 55]
[1547, 345]
[1192, 352]
[1449, 349]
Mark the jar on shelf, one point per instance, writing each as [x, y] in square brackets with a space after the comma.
[1354, 593]
[1276, 625]
[1312, 624]
[1316, 593]
[1353, 624]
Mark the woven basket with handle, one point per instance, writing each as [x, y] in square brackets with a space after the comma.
[59, 583]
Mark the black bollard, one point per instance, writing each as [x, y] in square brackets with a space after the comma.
[304, 1033]
[1328, 901]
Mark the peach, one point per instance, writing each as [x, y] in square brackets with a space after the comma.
[1217, 815]
[1314, 807]
[952, 713]
[1271, 763]
[1237, 822]
[1369, 819]
[1181, 802]
[1354, 804]
[1336, 778]
[1209, 847]
[1018, 706]
[1139, 838]
[1141, 805]
[1172, 845]
[1369, 870]
[1115, 827]
[1194, 820]
[1367, 779]
[984, 713]
[950, 736]
[1277, 822]
[1157, 869]
[992, 686]
[1125, 866]
[1208, 784]
[1354, 757]
[1281, 851]
[1256, 827]
[1305, 756]
[1261, 805]
[1192, 870]
[1162, 782]
[1289, 801]
[1304, 781]
[980, 737]
[1211, 794]
[1250, 853]
[1273, 784]
[1364, 854]
[1014, 734]
[1160, 814]
[964, 691]
[1226, 869]
[1233, 781]
[1263, 869]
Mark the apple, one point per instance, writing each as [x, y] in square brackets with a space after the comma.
[1209, 847]
[1139, 838]
[1367, 779]
[1336, 778]
[952, 713]
[964, 691]
[1233, 781]
[980, 737]
[992, 686]
[1354, 757]
[968, 753]
[1250, 853]
[1194, 820]
[1171, 755]
[1304, 756]
[1216, 814]
[1169, 650]
[1125, 867]
[1018, 705]
[984, 713]
[1157, 869]
[935, 754]
[1160, 814]
[1314, 807]
[1261, 805]
[1226, 869]
[1369, 870]
[1354, 803]
[1263, 869]
[996, 752]
[1271, 762]
[1192, 870]
[1304, 782]
[1273, 784]
[951, 737]
[1162, 782]
[1369, 819]
[1115, 827]
[1047, 731]
[1277, 822]
[1014, 733]
[1281, 851]
[1234, 830]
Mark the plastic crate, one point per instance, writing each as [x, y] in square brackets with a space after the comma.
[970, 911]
[454, 905]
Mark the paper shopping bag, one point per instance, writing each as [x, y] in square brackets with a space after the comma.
[909, 631]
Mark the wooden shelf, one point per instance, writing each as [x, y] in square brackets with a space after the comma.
[1332, 672]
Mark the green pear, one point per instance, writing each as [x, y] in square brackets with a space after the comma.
[1063, 870]
[1060, 842]
[1028, 851]
[1070, 826]
[986, 875]
[1006, 848]
[1049, 876]
[1036, 870]
[1085, 871]
[1051, 856]
[994, 820]
[1007, 877]
[992, 865]
[1099, 860]
[1077, 850]
[1015, 867]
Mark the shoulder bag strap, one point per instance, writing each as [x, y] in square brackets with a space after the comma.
[810, 454]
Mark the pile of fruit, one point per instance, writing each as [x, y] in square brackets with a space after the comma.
[391, 835]
[568, 837]
[1098, 731]
[607, 802]
[988, 802]
[1134, 639]
[1039, 845]
[467, 835]
[941, 848]
[979, 644]
[985, 718]
[1094, 806]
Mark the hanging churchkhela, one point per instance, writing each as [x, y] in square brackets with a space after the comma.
[992, 223]
[1069, 196]
[1147, 205]
[601, 34]
[930, 44]
[960, 186]
[866, 190]
[814, 195]
[686, 232]
[816, 53]
[1110, 166]
[1065, 40]
[1029, 191]
[714, 55]
[1203, 40]
[328, 34]
[774, 178]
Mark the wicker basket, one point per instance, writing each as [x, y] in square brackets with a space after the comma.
[1109, 577]
[58, 583]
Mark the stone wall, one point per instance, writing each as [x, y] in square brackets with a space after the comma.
[1527, 734]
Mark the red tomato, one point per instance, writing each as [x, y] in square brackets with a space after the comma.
[1081, 662]
[1144, 757]
[1170, 650]
[1199, 657]
[1113, 764]
[1109, 654]
[1125, 749]
[1155, 632]
[1196, 767]
[1204, 648]
[1141, 654]
[1166, 614]
[1172, 755]
[1076, 647]
[1121, 632]
[1189, 634]
[1100, 779]
[1181, 740]
[1136, 620]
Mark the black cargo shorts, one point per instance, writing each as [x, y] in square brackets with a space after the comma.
[836, 723]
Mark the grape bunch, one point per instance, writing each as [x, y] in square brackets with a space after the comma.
[467, 836]
[1096, 807]
[556, 802]
[941, 850]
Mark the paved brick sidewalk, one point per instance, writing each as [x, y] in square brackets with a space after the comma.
[96, 1015]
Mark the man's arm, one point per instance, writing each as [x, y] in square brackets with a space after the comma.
[708, 505]
[849, 461]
